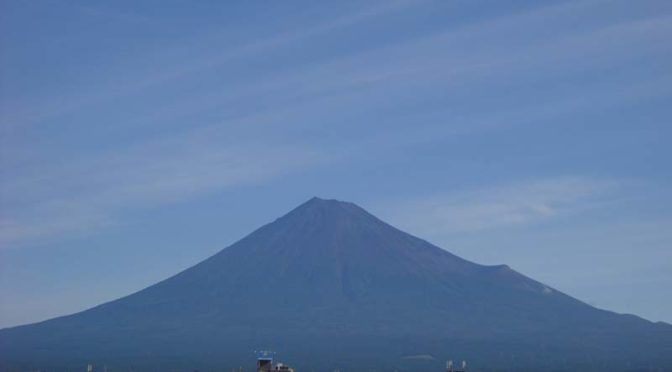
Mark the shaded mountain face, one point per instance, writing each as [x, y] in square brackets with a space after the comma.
[330, 286]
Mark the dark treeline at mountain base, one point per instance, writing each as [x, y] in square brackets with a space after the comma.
[329, 286]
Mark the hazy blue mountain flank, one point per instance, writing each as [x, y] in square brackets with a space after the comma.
[328, 286]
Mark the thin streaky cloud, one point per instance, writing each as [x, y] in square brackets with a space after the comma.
[59, 106]
[86, 197]
[350, 80]
[161, 177]
[295, 90]
[514, 204]
[402, 66]
[29, 115]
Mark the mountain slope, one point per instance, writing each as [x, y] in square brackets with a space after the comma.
[330, 286]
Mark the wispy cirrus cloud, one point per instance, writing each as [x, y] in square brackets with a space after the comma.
[187, 62]
[323, 95]
[86, 196]
[513, 204]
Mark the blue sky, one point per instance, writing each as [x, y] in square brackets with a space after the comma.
[139, 138]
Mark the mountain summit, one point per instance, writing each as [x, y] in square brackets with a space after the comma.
[330, 286]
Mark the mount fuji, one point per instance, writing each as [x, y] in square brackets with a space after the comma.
[330, 286]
